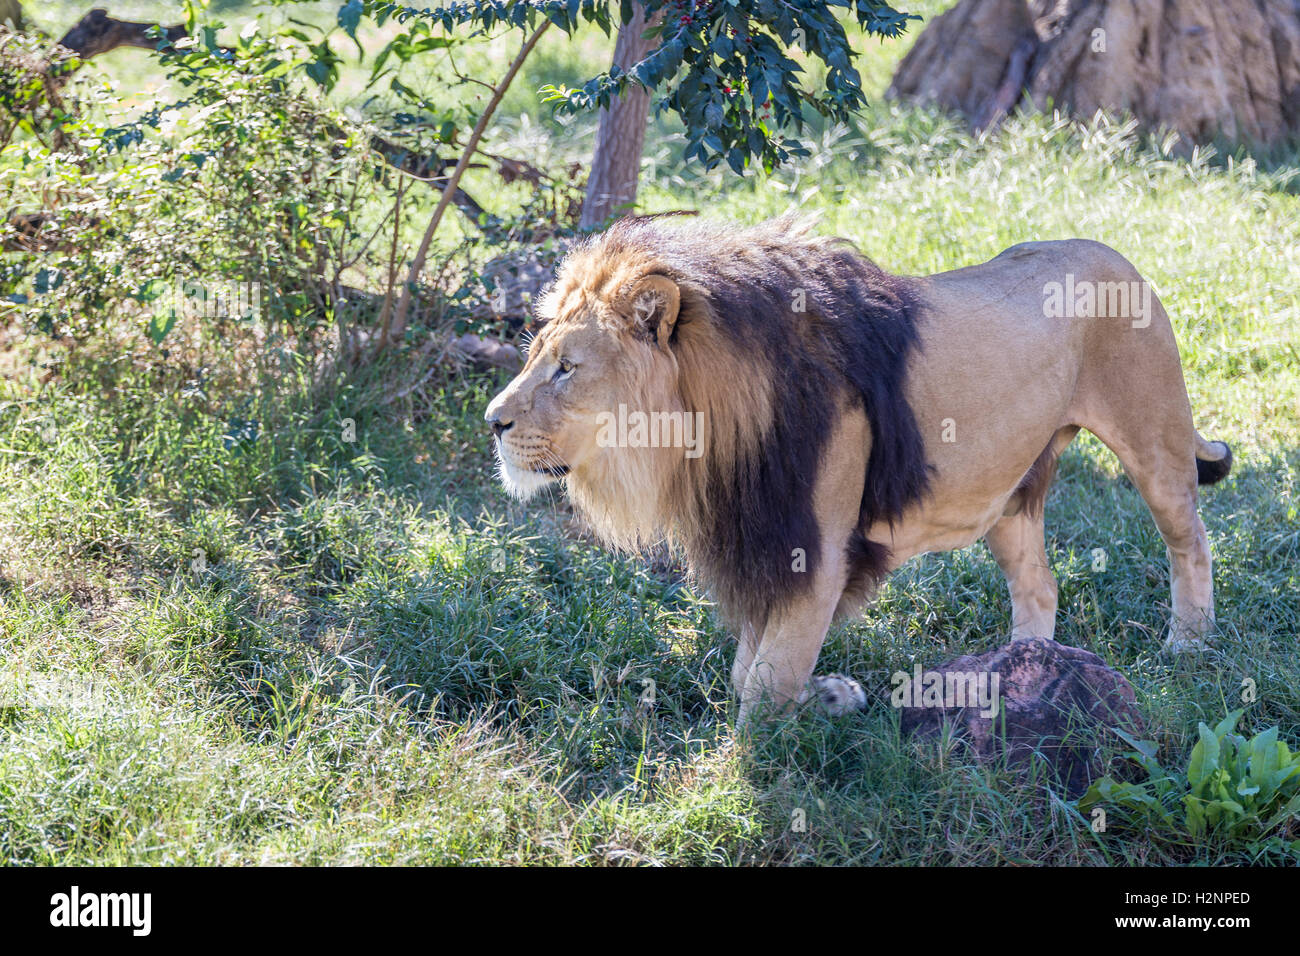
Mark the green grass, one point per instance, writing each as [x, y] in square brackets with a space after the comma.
[312, 651]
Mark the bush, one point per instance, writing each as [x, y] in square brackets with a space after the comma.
[1233, 788]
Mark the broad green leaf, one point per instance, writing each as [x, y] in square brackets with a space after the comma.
[1228, 724]
[1263, 757]
[350, 17]
[1204, 760]
[161, 323]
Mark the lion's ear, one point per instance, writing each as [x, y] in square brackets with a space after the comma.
[652, 307]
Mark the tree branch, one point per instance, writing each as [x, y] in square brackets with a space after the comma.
[97, 33]
[400, 316]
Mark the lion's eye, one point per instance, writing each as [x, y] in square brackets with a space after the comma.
[565, 368]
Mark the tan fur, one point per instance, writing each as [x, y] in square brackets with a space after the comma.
[1015, 384]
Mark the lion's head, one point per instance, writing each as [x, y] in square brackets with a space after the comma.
[601, 349]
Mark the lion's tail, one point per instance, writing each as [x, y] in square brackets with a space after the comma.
[1213, 460]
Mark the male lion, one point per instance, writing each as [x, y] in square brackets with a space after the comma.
[846, 420]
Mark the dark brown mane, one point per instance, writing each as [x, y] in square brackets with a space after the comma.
[822, 325]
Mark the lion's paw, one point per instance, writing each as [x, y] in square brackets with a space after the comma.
[839, 694]
[1185, 644]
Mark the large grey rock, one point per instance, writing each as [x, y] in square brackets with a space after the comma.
[1053, 703]
[513, 283]
[487, 353]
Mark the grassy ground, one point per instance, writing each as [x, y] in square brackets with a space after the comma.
[306, 650]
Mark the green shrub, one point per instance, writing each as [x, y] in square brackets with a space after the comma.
[1232, 788]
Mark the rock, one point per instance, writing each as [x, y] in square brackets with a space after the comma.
[517, 280]
[487, 353]
[1042, 701]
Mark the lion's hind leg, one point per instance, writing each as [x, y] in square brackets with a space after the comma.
[1168, 485]
[1017, 544]
[1167, 482]
[1159, 454]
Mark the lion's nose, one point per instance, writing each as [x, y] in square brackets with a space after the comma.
[498, 425]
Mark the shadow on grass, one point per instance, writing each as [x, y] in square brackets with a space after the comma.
[398, 567]
[622, 676]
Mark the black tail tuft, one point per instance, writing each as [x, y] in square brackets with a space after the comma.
[1208, 472]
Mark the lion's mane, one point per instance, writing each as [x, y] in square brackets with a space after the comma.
[777, 331]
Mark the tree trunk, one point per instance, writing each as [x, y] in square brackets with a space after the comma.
[960, 58]
[1204, 68]
[620, 137]
[11, 14]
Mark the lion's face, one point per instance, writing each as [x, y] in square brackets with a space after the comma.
[545, 419]
[592, 356]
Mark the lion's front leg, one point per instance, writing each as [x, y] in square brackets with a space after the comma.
[782, 665]
[746, 648]
[838, 693]
[780, 675]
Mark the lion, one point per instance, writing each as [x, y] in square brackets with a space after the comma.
[800, 423]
